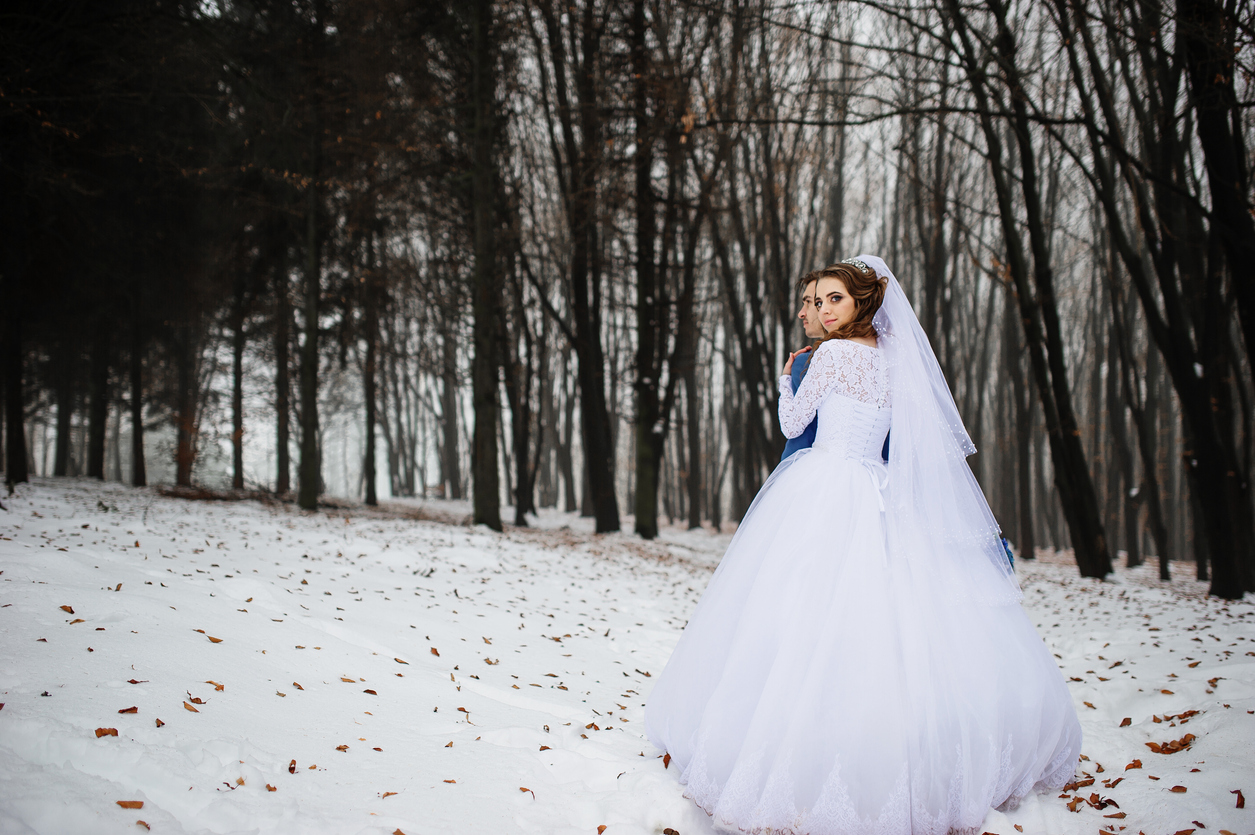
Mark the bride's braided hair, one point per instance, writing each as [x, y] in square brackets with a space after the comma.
[865, 288]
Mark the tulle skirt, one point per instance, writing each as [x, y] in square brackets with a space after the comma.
[819, 689]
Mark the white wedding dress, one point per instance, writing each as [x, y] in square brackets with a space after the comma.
[823, 686]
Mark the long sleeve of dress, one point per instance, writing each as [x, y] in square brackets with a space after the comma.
[798, 410]
[839, 365]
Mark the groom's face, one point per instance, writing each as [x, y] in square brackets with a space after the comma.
[809, 314]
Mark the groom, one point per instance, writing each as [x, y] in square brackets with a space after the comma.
[809, 314]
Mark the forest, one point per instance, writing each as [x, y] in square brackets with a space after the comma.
[532, 254]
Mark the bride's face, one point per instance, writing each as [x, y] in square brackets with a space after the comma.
[836, 307]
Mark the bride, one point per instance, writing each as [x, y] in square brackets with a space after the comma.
[860, 663]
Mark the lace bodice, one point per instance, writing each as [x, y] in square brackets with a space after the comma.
[847, 386]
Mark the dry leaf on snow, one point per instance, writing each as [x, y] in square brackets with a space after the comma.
[130, 804]
[189, 707]
[68, 609]
[106, 732]
[1241, 798]
[129, 710]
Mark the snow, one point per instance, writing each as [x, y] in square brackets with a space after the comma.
[545, 638]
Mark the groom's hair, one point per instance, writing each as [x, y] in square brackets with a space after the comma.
[868, 292]
[813, 275]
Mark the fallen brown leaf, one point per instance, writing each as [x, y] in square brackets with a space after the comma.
[544, 747]
[342, 747]
[450, 781]
[130, 804]
[1134, 764]
[1126, 721]
[160, 723]
[106, 732]
[270, 788]
[1241, 798]
[1173, 746]
[371, 692]
[129, 710]
[1117, 816]
[189, 707]
[77, 620]
[349, 680]
[387, 794]
[399, 661]
[435, 652]
[68, 609]
[1018, 828]
[666, 760]
[217, 687]
[213, 639]
[297, 686]
[143, 824]
[1178, 789]
[524, 789]
[292, 767]
[1088, 705]
[136, 681]
[1169, 693]
[1183, 832]
[601, 828]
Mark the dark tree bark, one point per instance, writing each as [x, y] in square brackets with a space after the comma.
[486, 283]
[97, 401]
[283, 385]
[1021, 406]
[65, 409]
[647, 426]
[450, 457]
[237, 384]
[309, 472]
[186, 347]
[139, 472]
[370, 371]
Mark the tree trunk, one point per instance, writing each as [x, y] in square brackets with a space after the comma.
[369, 375]
[450, 466]
[583, 158]
[139, 472]
[647, 425]
[237, 387]
[283, 385]
[98, 402]
[185, 408]
[486, 283]
[309, 474]
[65, 410]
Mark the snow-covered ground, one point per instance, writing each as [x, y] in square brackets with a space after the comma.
[271, 671]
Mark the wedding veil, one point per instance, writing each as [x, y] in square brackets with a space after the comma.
[939, 527]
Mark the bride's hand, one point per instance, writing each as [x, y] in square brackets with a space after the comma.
[788, 366]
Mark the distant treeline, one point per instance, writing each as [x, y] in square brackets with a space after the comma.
[543, 254]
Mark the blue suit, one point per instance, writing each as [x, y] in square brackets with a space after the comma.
[807, 437]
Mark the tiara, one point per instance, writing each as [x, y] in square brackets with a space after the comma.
[854, 262]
